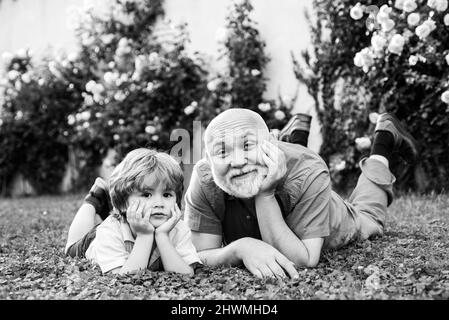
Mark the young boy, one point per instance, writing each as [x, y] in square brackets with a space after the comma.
[145, 229]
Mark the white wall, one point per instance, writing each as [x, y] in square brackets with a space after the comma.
[40, 24]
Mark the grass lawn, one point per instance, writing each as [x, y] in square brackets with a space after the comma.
[411, 261]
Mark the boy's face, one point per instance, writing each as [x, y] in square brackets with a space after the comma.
[160, 200]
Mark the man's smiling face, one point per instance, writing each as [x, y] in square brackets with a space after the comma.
[234, 153]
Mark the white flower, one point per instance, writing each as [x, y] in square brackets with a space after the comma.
[221, 35]
[87, 40]
[279, 115]
[438, 5]
[150, 87]
[86, 125]
[255, 72]
[446, 20]
[85, 116]
[447, 58]
[107, 38]
[7, 57]
[41, 82]
[110, 77]
[356, 12]
[364, 59]
[396, 44]
[88, 100]
[119, 96]
[71, 119]
[445, 96]
[413, 19]
[413, 60]
[189, 110]
[72, 57]
[116, 137]
[155, 138]
[384, 14]
[378, 42]
[98, 115]
[13, 75]
[423, 31]
[410, 5]
[340, 166]
[19, 115]
[26, 78]
[362, 143]
[373, 116]
[431, 24]
[264, 107]
[399, 4]
[18, 85]
[22, 54]
[194, 104]
[150, 129]
[90, 85]
[153, 57]
[110, 123]
[121, 122]
[388, 25]
[212, 85]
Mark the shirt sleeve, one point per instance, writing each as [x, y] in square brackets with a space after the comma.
[310, 217]
[184, 245]
[108, 250]
[199, 214]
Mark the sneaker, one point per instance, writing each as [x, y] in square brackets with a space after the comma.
[404, 143]
[300, 122]
[98, 196]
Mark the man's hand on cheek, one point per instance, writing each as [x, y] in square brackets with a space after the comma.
[138, 216]
[275, 161]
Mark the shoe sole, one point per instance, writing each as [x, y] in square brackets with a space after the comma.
[405, 135]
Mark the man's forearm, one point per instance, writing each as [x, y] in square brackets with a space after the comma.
[275, 231]
[139, 256]
[171, 259]
[225, 256]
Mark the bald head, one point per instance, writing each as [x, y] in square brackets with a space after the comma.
[234, 121]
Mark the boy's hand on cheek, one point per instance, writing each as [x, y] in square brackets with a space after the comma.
[138, 216]
[168, 225]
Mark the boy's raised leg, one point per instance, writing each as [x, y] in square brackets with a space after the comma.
[96, 208]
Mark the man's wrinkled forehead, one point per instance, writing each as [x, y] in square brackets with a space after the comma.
[236, 123]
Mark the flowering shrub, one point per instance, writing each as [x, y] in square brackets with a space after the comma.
[243, 84]
[141, 81]
[33, 109]
[396, 55]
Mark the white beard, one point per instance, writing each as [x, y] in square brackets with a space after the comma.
[247, 187]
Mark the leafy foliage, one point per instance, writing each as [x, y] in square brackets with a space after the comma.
[242, 84]
[346, 96]
[33, 122]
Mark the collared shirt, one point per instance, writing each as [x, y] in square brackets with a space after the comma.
[114, 242]
[304, 196]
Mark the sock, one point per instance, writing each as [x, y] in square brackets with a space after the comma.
[300, 137]
[383, 144]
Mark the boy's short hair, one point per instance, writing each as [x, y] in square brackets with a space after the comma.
[129, 175]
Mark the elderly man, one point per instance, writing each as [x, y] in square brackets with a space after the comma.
[269, 205]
